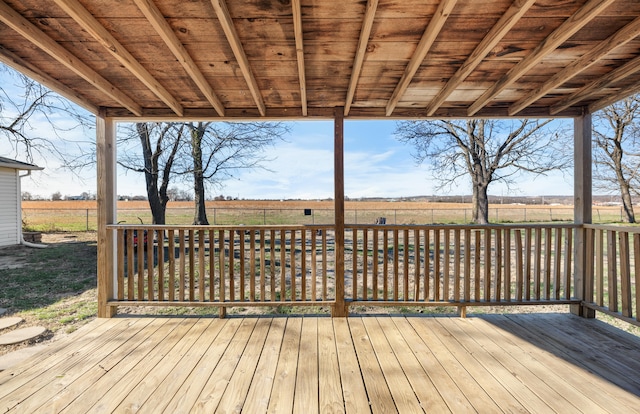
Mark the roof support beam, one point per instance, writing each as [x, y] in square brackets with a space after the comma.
[234, 41]
[29, 31]
[16, 62]
[622, 36]
[610, 78]
[365, 32]
[611, 99]
[297, 29]
[429, 36]
[157, 20]
[584, 15]
[497, 32]
[89, 23]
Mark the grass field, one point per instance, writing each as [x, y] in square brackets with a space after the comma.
[81, 215]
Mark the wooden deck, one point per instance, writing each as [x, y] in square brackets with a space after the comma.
[494, 363]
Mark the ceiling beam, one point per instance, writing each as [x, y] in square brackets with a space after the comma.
[428, 37]
[164, 30]
[16, 62]
[234, 41]
[577, 21]
[297, 29]
[622, 36]
[361, 51]
[497, 32]
[629, 68]
[611, 99]
[89, 23]
[29, 31]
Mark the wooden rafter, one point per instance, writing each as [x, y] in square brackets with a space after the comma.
[611, 99]
[297, 29]
[365, 32]
[497, 32]
[577, 21]
[234, 41]
[429, 36]
[157, 20]
[16, 62]
[629, 68]
[89, 23]
[619, 38]
[29, 31]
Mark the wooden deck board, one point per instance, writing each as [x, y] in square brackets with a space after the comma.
[492, 363]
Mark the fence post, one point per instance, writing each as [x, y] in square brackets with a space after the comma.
[87, 219]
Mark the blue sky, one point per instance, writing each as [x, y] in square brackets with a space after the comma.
[376, 165]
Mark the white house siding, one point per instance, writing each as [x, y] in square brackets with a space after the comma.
[10, 214]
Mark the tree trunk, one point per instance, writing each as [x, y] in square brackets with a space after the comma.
[200, 216]
[480, 204]
[158, 208]
[627, 204]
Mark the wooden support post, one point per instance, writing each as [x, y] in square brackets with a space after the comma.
[340, 307]
[106, 158]
[582, 201]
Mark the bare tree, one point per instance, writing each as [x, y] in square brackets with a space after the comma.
[486, 151]
[24, 101]
[220, 150]
[160, 144]
[616, 137]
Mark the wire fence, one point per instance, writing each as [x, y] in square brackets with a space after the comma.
[53, 219]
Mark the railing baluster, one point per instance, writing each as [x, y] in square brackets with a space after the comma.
[487, 264]
[120, 261]
[365, 263]
[160, 237]
[467, 265]
[182, 266]
[130, 265]
[537, 260]
[222, 274]
[396, 255]
[527, 263]
[636, 263]
[232, 276]
[478, 256]
[172, 265]
[375, 263]
[241, 248]
[405, 266]
[303, 265]
[427, 265]
[588, 269]
[201, 266]
[324, 264]
[558, 264]
[507, 265]
[498, 274]
[519, 264]
[252, 266]
[416, 264]
[600, 267]
[436, 264]
[456, 264]
[385, 265]
[547, 263]
[192, 265]
[149, 249]
[283, 265]
[613, 270]
[272, 263]
[567, 264]
[354, 259]
[263, 266]
[446, 259]
[625, 274]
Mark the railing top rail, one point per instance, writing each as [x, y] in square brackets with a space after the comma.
[237, 227]
[465, 226]
[614, 227]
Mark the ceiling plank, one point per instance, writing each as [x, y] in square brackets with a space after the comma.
[629, 68]
[429, 36]
[365, 32]
[234, 41]
[29, 31]
[297, 29]
[622, 36]
[89, 23]
[164, 30]
[498, 31]
[16, 62]
[577, 21]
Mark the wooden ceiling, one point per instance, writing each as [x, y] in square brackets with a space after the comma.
[302, 58]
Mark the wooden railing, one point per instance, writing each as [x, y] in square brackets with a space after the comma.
[384, 265]
[224, 265]
[612, 271]
[459, 265]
